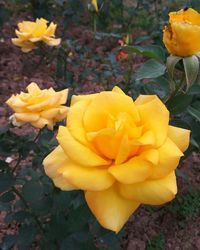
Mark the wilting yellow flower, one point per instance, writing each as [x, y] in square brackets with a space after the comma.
[182, 36]
[95, 5]
[30, 33]
[39, 107]
[121, 153]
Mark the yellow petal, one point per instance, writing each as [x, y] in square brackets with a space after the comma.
[105, 103]
[55, 160]
[78, 152]
[180, 136]
[50, 114]
[150, 155]
[63, 184]
[169, 156]
[77, 98]
[51, 29]
[42, 122]
[152, 192]
[154, 115]
[111, 210]
[52, 41]
[92, 179]
[118, 90]
[75, 121]
[63, 96]
[22, 35]
[27, 117]
[189, 15]
[124, 151]
[33, 88]
[132, 171]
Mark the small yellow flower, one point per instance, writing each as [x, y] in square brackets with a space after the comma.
[119, 152]
[182, 36]
[30, 33]
[39, 107]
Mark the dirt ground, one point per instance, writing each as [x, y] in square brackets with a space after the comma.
[179, 234]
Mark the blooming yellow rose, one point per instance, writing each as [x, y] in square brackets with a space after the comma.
[39, 107]
[182, 36]
[30, 33]
[121, 153]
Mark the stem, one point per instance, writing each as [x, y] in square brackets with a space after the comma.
[95, 24]
[28, 208]
[37, 136]
[175, 90]
[17, 163]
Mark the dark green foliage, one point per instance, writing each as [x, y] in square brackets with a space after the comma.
[186, 205]
[156, 242]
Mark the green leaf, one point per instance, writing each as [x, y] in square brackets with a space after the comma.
[32, 191]
[194, 112]
[8, 241]
[6, 181]
[159, 86]
[152, 51]
[191, 67]
[27, 234]
[171, 63]
[7, 197]
[150, 69]
[179, 103]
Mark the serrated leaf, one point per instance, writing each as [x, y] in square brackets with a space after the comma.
[191, 67]
[171, 63]
[194, 112]
[150, 69]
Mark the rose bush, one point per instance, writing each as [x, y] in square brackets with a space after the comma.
[39, 107]
[182, 36]
[30, 33]
[121, 153]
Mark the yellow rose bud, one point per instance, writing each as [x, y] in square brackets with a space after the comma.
[95, 5]
[182, 36]
[119, 152]
[38, 107]
[30, 33]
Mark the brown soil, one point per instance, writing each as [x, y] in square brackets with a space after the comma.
[144, 224]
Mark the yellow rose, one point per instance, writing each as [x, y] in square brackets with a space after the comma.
[39, 107]
[30, 33]
[121, 153]
[182, 36]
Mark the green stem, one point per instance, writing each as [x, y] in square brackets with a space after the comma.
[37, 136]
[17, 163]
[28, 208]
[174, 89]
[95, 24]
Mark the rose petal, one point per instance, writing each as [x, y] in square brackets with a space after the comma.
[111, 210]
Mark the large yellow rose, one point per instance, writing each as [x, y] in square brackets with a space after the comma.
[121, 153]
[30, 33]
[182, 36]
[39, 107]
